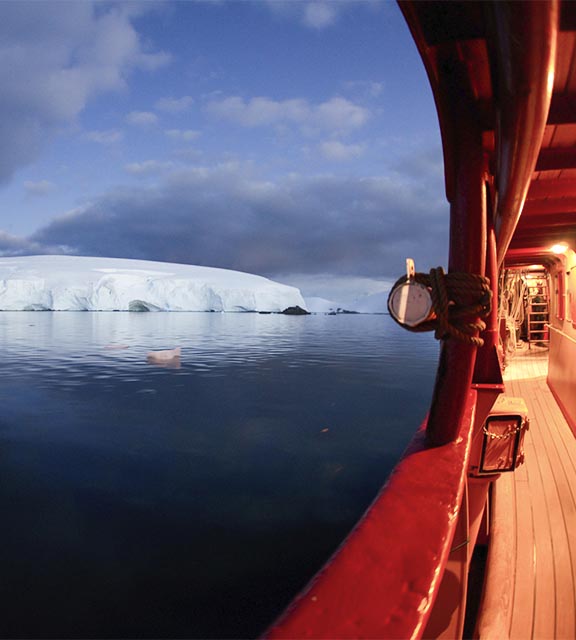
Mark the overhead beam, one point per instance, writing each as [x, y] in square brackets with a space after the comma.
[552, 206]
[553, 188]
[548, 237]
[556, 159]
[562, 109]
[522, 45]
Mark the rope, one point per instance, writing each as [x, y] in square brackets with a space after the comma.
[456, 297]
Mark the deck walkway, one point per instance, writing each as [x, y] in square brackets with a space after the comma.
[537, 506]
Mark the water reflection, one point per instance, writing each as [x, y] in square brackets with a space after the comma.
[149, 501]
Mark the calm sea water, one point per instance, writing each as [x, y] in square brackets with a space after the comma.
[147, 501]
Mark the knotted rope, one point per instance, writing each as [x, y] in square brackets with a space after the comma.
[456, 297]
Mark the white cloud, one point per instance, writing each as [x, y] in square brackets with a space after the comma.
[14, 246]
[335, 114]
[231, 216]
[338, 288]
[109, 136]
[152, 61]
[339, 113]
[319, 15]
[142, 118]
[55, 57]
[174, 105]
[39, 188]
[182, 135]
[336, 150]
[365, 88]
[148, 167]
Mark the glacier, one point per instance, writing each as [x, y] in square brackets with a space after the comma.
[74, 283]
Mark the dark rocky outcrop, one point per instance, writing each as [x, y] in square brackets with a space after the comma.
[295, 311]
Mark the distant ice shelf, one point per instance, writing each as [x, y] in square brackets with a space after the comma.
[72, 283]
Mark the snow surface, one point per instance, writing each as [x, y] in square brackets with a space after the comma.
[374, 303]
[321, 305]
[71, 283]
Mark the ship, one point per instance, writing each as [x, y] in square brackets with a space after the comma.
[474, 533]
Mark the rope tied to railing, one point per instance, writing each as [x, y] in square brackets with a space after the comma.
[456, 298]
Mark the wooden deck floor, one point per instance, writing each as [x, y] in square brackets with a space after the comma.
[537, 505]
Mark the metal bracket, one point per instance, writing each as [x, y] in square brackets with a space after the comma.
[410, 270]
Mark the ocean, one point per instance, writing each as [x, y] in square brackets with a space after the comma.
[190, 499]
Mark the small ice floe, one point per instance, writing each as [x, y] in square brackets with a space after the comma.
[169, 358]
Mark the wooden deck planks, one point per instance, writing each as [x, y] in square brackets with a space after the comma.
[544, 503]
[561, 509]
[557, 442]
[522, 599]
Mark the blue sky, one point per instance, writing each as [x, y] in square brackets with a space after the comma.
[297, 140]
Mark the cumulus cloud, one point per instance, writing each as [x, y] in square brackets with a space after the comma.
[174, 105]
[365, 88]
[54, 57]
[335, 115]
[341, 289]
[224, 216]
[109, 136]
[142, 118]
[148, 167]
[315, 14]
[182, 135]
[13, 246]
[39, 188]
[338, 151]
[319, 15]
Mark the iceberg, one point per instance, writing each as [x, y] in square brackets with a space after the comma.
[73, 283]
[374, 303]
[322, 305]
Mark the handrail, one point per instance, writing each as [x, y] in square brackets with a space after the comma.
[562, 333]
[384, 579]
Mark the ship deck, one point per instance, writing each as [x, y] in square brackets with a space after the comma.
[534, 516]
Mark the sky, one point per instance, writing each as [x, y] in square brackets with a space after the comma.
[293, 139]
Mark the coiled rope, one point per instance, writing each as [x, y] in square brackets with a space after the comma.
[456, 297]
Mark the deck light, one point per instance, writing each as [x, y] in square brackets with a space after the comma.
[559, 248]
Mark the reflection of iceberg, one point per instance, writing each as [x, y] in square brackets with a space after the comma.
[169, 358]
[71, 283]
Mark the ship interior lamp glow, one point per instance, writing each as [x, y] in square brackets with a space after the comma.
[559, 248]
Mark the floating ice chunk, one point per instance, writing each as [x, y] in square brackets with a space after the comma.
[169, 358]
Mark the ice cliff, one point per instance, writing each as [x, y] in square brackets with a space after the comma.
[71, 283]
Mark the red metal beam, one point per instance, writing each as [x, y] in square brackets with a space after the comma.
[554, 189]
[529, 255]
[562, 109]
[468, 250]
[523, 48]
[546, 239]
[551, 206]
[556, 159]
[383, 581]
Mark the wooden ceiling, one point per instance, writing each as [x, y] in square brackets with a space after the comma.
[476, 36]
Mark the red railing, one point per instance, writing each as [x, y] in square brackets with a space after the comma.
[383, 580]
